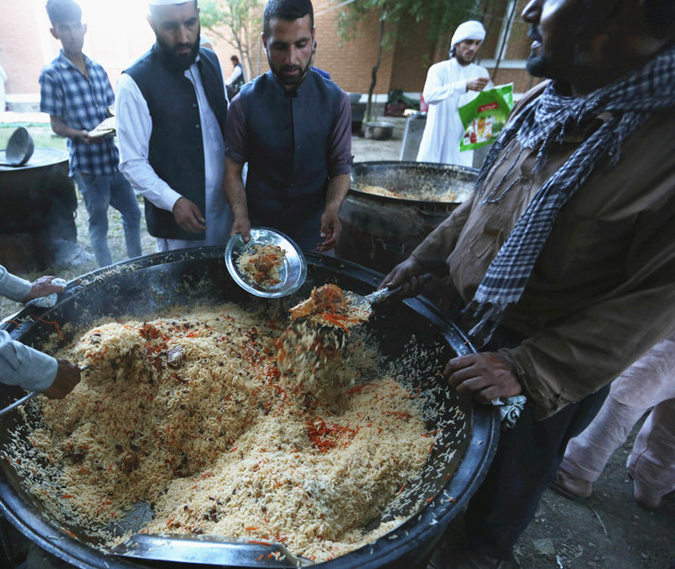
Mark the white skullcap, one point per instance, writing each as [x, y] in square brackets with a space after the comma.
[166, 2]
[471, 30]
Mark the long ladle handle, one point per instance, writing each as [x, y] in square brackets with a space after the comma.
[383, 294]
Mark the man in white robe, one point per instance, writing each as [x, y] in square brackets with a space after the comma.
[449, 85]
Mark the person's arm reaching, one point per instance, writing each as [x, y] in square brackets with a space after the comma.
[331, 228]
[34, 370]
[233, 186]
[431, 255]
[339, 168]
[236, 143]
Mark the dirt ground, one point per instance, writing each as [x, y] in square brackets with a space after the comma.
[608, 531]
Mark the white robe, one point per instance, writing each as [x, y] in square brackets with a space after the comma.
[445, 91]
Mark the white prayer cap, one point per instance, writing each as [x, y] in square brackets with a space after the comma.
[166, 2]
[471, 30]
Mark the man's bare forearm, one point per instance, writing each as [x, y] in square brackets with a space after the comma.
[338, 186]
[62, 129]
[233, 186]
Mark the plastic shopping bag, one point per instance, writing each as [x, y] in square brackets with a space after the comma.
[485, 116]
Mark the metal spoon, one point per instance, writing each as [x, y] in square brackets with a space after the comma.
[358, 309]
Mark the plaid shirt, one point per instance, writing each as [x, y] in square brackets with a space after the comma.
[82, 104]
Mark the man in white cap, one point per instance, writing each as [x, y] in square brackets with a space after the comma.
[449, 85]
[171, 111]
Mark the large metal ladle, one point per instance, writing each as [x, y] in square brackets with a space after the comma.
[359, 308]
[19, 148]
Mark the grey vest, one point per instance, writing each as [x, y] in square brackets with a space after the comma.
[288, 153]
[176, 150]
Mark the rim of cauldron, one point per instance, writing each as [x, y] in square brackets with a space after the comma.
[422, 529]
[402, 165]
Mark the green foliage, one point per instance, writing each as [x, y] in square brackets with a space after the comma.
[439, 16]
[242, 21]
[235, 14]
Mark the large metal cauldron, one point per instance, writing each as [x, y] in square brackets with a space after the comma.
[378, 231]
[144, 286]
[38, 208]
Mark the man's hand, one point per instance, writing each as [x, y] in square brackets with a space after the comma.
[242, 225]
[43, 287]
[405, 274]
[485, 376]
[477, 84]
[67, 377]
[188, 217]
[83, 135]
[331, 229]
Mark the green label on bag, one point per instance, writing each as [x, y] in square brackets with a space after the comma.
[485, 116]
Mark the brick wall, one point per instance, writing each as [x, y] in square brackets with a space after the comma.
[412, 56]
[350, 63]
[21, 47]
[119, 34]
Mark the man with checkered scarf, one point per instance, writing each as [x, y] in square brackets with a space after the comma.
[565, 254]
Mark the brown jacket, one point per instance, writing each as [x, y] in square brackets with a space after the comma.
[603, 289]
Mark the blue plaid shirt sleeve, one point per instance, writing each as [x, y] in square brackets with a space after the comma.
[51, 94]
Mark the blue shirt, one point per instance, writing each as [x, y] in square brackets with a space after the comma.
[82, 103]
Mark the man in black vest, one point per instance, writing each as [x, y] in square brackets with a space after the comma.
[293, 127]
[236, 79]
[171, 112]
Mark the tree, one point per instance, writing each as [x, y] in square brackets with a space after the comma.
[440, 16]
[239, 23]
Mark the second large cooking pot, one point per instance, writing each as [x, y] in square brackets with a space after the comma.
[145, 286]
[379, 231]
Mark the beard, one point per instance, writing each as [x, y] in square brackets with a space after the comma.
[537, 65]
[178, 61]
[291, 81]
[461, 60]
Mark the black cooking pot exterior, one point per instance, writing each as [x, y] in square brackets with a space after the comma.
[378, 231]
[147, 285]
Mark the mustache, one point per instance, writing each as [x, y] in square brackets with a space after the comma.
[534, 34]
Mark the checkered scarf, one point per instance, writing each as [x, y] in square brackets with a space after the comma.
[629, 101]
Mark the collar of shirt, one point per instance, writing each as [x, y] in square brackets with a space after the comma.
[65, 63]
[290, 93]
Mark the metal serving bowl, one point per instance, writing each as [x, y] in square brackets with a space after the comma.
[292, 272]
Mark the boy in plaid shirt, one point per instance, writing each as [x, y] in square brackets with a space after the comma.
[76, 93]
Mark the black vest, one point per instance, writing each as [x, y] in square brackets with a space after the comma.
[176, 150]
[289, 139]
